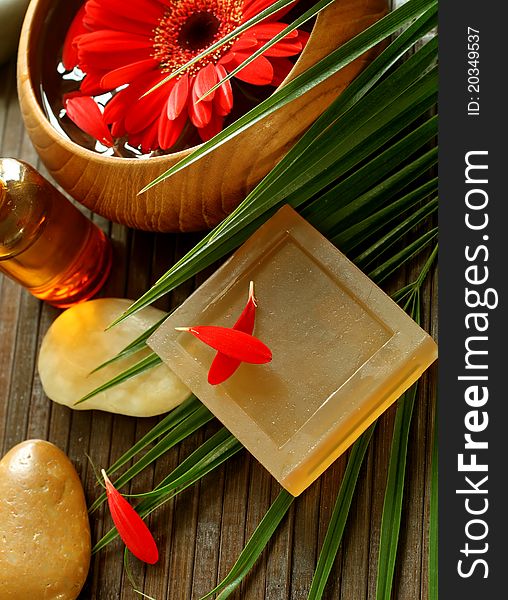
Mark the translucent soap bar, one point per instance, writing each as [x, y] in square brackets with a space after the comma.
[343, 351]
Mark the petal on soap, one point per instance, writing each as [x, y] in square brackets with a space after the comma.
[223, 366]
[233, 343]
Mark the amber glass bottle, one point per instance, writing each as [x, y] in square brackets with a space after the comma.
[46, 244]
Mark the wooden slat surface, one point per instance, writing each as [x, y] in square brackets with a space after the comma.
[203, 530]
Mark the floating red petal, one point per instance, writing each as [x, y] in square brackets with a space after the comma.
[86, 114]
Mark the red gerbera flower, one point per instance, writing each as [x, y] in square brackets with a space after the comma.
[129, 48]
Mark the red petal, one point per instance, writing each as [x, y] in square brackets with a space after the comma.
[170, 130]
[122, 102]
[117, 107]
[281, 69]
[223, 101]
[140, 11]
[205, 80]
[258, 72]
[86, 114]
[131, 527]
[70, 53]
[106, 50]
[127, 74]
[144, 111]
[282, 48]
[70, 95]
[254, 7]
[303, 36]
[99, 17]
[149, 138]
[91, 84]
[178, 97]
[266, 31]
[233, 343]
[200, 113]
[213, 127]
[118, 129]
[224, 366]
[104, 40]
[244, 42]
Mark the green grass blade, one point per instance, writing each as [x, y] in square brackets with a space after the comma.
[228, 448]
[339, 516]
[210, 448]
[199, 257]
[183, 429]
[298, 22]
[348, 125]
[381, 245]
[150, 361]
[381, 114]
[382, 177]
[409, 289]
[254, 546]
[357, 233]
[176, 416]
[380, 273]
[316, 74]
[135, 346]
[355, 91]
[392, 508]
[344, 149]
[200, 460]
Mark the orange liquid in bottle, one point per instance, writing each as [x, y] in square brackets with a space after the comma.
[46, 244]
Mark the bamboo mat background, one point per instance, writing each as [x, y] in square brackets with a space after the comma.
[202, 531]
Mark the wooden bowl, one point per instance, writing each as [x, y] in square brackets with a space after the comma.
[203, 194]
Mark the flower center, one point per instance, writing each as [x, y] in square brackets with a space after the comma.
[199, 31]
[190, 26]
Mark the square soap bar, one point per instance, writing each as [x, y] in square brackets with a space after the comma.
[343, 351]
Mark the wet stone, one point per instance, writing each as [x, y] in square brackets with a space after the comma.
[44, 528]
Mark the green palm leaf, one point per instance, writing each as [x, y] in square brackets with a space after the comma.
[339, 516]
[392, 508]
[180, 431]
[135, 346]
[357, 89]
[395, 484]
[261, 536]
[169, 422]
[146, 363]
